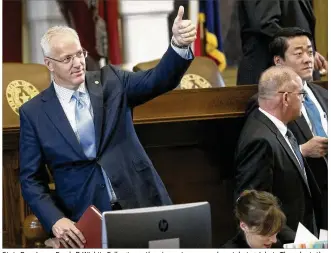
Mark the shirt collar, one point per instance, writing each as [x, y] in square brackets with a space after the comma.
[279, 124]
[305, 85]
[65, 94]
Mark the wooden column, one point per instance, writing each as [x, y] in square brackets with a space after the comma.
[321, 29]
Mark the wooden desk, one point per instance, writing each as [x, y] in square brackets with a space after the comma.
[190, 136]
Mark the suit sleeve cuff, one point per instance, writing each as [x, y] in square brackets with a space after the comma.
[183, 52]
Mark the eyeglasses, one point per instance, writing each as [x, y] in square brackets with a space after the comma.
[303, 93]
[69, 58]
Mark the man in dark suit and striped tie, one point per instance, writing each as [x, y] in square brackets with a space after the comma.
[268, 156]
[292, 47]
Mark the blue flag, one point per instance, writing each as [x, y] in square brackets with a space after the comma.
[210, 13]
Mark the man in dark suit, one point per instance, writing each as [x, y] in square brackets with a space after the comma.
[292, 47]
[268, 156]
[81, 128]
[259, 21]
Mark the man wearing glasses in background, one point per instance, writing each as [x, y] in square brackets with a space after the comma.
[292, 47]
[268, 156]
[81, 127]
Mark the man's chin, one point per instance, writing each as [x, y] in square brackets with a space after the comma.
[78, 81]
[307, 78]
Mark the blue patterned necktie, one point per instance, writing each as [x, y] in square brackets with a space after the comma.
[314, 117]
[85, 125]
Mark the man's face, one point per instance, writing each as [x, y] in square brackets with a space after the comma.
[295, 98]
[68, 74]
[299, 56]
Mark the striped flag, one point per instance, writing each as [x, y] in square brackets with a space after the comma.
[210, 23]
[108, 11]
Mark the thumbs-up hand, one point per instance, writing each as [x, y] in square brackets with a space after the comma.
[184, 32]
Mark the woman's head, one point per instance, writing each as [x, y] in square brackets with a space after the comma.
[260, 217]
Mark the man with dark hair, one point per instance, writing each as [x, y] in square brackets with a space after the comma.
[268, 157]
[259, 22]
[292, 47]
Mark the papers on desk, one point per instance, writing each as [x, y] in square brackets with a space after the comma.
[323, 235]
[304, 239]
[303, 235]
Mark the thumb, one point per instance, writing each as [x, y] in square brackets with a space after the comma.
[180, 14]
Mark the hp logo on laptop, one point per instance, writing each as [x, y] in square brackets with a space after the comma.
[163, 225]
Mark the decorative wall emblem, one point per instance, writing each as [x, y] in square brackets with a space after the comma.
[18, 92]
[193, 81]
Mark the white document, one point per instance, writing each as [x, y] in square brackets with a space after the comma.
[303, 235]
[323, 235]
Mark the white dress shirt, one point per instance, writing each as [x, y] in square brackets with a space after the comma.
[68, 104]
[183, 52]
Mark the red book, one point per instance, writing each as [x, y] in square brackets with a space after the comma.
[90, 226]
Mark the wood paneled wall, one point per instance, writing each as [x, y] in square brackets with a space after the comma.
[321, 29]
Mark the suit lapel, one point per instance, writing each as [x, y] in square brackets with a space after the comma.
[303, 126]
[265, 120]
[322, 102]
[94, 87]
[289, 151]
[56, 114]
[111, 107]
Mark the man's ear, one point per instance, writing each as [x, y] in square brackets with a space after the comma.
[278, 61]
[49, 64]
[285, 98]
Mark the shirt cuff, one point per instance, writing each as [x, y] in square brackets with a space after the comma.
[183, 52]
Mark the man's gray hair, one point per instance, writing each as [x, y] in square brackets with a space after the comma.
[45, 41]
[274, 79]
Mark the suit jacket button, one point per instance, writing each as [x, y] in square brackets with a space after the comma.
[102, 186]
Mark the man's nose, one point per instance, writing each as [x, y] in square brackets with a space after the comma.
[76, 61]
[307, 58]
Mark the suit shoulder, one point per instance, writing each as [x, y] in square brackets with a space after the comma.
[34, 103]
[111, 69]
[254, 130]
[315, 86]
[252, 122]
[112, 80]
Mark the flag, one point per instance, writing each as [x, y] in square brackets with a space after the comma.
[209, 16]
[193, 10]
[108, 10]
[199, 42]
